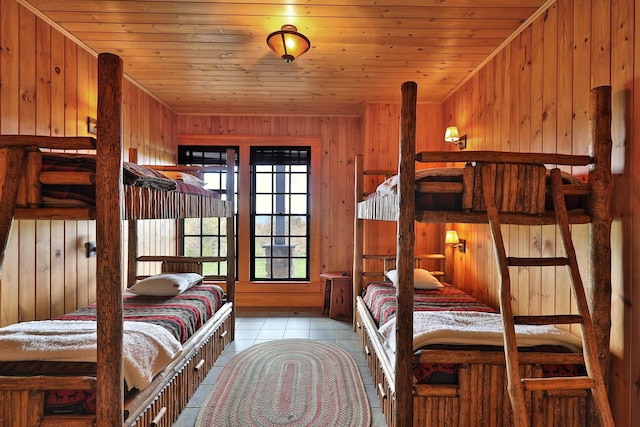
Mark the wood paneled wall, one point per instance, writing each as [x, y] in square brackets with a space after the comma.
[533, 96]
[340, 138]
[48, 86]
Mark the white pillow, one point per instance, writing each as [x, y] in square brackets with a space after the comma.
[166, 284]
[422, 279]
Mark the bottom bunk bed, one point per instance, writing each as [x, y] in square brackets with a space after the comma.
[462, 382]
[174, 332]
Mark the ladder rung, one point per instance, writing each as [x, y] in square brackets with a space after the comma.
[575, 190]
[537, 262]
[558, 383]
[556, 319]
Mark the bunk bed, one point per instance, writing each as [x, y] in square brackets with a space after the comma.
[484, 390]
[128, 192]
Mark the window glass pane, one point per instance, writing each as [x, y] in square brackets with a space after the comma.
[192, 226]
[260, 269]
[300, 245]
[299, 204]
[263, 183]
[299, 168]
[192, 246]
[210, 246]
[280, 226]
[262, 225]
[263, 204]
[260, 243]
[210, 225]
[300, 268]
[214, 269]
[299, 183]
[223, 246]
[298, 226]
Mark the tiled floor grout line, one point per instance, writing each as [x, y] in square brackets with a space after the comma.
[253, 327]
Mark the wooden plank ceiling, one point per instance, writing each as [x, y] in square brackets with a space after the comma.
[210, 57]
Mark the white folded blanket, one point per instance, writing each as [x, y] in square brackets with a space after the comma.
[475, 328]
[148, 348]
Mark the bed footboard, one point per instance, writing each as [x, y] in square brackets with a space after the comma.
[480, 396]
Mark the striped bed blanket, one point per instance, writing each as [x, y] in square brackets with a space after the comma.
[380, 298]
[182, 315]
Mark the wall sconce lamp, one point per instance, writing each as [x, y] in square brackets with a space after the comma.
[451, 135]
[452, 239]
[288, 43]
[91, 249]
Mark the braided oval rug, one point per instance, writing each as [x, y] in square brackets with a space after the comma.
[293, 383]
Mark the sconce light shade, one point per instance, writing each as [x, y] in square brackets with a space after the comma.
[452, 239]
[453, 136]
[288, 43]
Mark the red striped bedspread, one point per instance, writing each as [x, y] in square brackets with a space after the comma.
[380, 298]
[182, 315]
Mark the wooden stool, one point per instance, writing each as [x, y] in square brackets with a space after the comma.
[338, 290]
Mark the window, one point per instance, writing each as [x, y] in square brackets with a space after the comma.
[207, 236]
[280, 206]
[275, 232]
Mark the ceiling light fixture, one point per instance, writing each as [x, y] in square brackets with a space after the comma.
[288, 43]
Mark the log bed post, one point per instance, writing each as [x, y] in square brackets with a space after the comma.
[109, 397]
[231, 244]
[599, 291]
[403, 409]
[358, 262]
[9, 183]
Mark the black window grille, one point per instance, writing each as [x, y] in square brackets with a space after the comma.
[280, 213]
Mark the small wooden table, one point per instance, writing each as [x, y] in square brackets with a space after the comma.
[337, 295]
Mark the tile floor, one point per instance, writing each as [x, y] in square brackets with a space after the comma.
[254, 327]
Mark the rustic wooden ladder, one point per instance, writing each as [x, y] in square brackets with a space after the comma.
[530, 181]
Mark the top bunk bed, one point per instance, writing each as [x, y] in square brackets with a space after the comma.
[62, 185]
[455, 195]
[495, 188]
[36, 183]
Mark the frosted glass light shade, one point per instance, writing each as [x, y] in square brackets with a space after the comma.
[288, 43]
